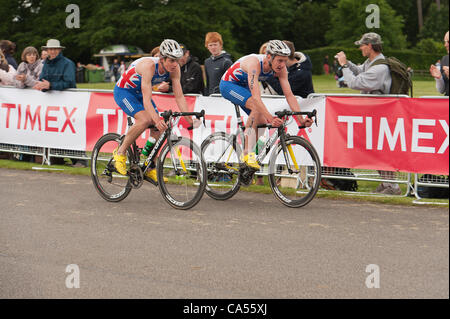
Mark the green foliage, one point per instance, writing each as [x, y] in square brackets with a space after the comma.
[348, 23]
[244, 25]
[431, 46]
[311, 20]
[435, 24]
[415, 59]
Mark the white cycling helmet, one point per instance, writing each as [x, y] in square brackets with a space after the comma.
[170, 49]
[277, 47]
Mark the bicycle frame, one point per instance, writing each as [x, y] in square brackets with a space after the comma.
[280, 133]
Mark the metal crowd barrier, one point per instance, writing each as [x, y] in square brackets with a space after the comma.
[429, 180]
[362, 174]
[327, 172]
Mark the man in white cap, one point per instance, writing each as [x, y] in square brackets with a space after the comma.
[58, 72]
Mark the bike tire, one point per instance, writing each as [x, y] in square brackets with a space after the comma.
[299, 188]
[214, 187]
[101, 174]
[186, 190]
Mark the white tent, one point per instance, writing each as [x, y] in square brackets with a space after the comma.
[119, 50]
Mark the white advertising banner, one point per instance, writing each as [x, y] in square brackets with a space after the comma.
[47, 119]
[221, 117]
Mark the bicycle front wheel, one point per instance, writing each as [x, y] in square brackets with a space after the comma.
[221, 157]
[111, 185]
[294, 174]
[181, 173]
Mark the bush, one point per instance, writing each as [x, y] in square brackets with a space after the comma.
[430, 46]
[415, 59]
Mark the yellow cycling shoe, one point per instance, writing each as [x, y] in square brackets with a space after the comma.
[250, 160]
[153, 175]
[120, 163]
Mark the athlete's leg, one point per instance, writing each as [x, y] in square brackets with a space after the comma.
[255, 118]
[142, 121]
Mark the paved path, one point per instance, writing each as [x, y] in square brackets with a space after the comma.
[248, 247]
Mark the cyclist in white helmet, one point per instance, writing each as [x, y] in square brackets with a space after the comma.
[133, 94]
[240, 85]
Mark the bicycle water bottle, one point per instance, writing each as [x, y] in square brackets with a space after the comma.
[260, 144]
[148, 146]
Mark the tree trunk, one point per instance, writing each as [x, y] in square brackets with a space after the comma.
[438, 3]
[420, 14]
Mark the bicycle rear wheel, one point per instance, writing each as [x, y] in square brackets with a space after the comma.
[298, 186]
[111, 185]
[222, 163]
[181, 173]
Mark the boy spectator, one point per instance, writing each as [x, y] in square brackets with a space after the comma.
[217, 63]
[191, 74]
[299, 68]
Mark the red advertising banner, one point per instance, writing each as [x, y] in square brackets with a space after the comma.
[104, 116]
[396, 134]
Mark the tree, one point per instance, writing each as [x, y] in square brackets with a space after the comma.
[310, 22]
[435, 24]
[348, 23]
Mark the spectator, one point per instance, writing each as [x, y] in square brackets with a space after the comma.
[191, 73]
[7, 71]
[8, 49]
[58, 72]
[30, 69]
[262, 49]
[326, 65]
[441, 74]
[122, 68]
[367, 79]
[438, 63]
[217, 63]
[115, 69]
[79, 73]
[155, 52]
[299, 73]
[44, 55]
[370, 80]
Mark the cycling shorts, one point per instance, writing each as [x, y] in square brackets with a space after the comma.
[235, 93]
[130, 103]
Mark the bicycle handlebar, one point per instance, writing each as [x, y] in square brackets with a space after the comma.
[312, 114]
[167, 114]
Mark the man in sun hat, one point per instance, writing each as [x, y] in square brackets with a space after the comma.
[58, 72]
[367, 78]
[370, 78]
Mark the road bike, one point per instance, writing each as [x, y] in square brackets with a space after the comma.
[181, 171]
[294, 169]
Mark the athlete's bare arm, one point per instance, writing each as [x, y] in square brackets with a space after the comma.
[178, 92]
[290, 98]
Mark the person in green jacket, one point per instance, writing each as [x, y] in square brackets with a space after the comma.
[58, 72]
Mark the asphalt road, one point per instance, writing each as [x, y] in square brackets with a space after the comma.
[248, 247]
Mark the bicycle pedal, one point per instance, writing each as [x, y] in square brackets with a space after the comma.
[148, 179]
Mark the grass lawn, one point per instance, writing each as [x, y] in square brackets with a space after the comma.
[322, 84]
[364, 187]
